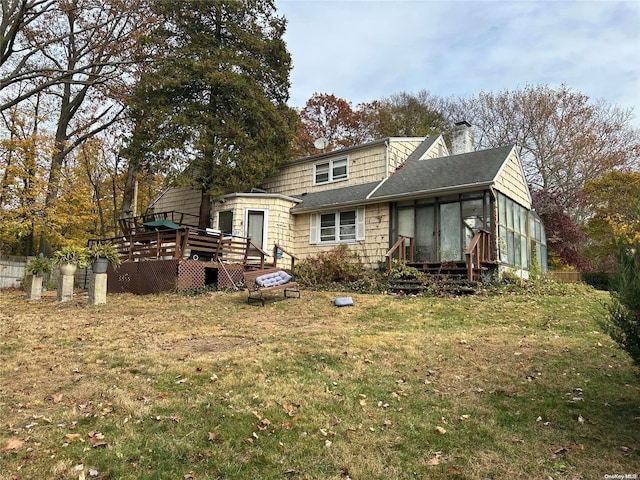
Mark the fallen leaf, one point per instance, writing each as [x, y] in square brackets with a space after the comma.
[580, 419]
[455, 471]
[434, 461]
[70, 437]
[190, 474]
[57, 398]
[441, 430]
[93, 472]
[215, 437]
[12, 444]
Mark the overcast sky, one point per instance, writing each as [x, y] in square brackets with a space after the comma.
[367, 50]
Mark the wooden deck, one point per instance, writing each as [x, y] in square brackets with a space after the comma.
[167, 255]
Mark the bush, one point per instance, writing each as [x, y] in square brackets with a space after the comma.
[623, 322]
[599, 280]
[340, 265]
[401, 271]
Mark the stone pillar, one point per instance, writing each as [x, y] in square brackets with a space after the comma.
[34, 287]
[98, 289]
[65, 288]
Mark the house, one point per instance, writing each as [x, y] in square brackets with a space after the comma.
[408, 197]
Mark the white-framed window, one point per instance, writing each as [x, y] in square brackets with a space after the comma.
[343, 226]
[330, 171]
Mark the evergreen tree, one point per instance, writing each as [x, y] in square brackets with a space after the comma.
[212, 104]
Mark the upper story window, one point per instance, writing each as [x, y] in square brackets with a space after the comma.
[330, 171]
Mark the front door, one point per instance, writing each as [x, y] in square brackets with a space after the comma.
[425, 233]
[256, 230]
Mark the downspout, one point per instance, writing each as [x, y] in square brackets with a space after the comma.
[493, 204]
[386, 158]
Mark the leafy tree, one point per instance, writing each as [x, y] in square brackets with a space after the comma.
[76, 59]
[615, 201]
[564, 237]
[333, 118]
[408, 115]
[623, 322]
[214, 98]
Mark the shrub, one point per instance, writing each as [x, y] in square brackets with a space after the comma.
[623, 322]
[599, 280]
[340, 265]
[401, 271]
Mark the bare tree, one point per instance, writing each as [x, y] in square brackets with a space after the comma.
[563, 138]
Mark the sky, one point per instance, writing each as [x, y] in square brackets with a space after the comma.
[368, 50]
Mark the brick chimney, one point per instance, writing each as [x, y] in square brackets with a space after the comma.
[462, 141]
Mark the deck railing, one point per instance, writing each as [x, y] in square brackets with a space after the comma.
[402, 250]
[478, 252]
[276, 249]
[186, 242]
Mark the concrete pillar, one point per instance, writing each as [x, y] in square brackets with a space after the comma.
[34, 287]
[65, 288]
[98, 289]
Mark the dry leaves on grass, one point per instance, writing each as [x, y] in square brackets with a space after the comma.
[12, 444]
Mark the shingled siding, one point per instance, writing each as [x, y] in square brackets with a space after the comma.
[279, 229]
[371, 249]
[180, 199]
[399, 151]
[365, 165]
[512, 183]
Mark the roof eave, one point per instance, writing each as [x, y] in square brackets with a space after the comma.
[390, 198]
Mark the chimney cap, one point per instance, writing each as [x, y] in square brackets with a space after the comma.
[462, 123]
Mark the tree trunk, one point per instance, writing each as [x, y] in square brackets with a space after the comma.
[204, 220]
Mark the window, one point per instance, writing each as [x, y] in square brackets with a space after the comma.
[336, 227]
[520, 231]
[225, 221]
[330, 171]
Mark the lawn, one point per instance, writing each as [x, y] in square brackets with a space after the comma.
[175, 387]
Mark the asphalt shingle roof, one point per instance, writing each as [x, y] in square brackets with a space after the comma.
[452, 172]
[335, 197]
[416, 177]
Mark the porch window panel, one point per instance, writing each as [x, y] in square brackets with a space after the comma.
[517, 258]
[502, 244]
[406, 222]
[502, 209]
[509, 214]
[524, 261]
[450, 235]
[523, 220]
[511, 257]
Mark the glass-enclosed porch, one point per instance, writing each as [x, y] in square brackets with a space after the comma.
[441, 229]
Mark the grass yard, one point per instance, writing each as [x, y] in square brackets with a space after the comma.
[207, 387]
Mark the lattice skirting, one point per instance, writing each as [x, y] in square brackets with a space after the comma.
[155, 276]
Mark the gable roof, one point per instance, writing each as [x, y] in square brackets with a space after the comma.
[467, 170]
[474, 170]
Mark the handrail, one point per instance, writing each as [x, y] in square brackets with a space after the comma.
[400, 247]
[262, 253]
[277, 247]
[477, 252]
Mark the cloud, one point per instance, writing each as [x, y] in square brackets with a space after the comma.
[367, 50]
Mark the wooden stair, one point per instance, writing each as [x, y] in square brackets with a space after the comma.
[443, 278]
